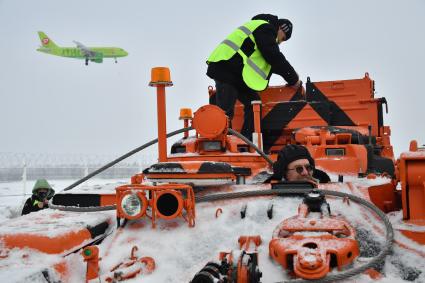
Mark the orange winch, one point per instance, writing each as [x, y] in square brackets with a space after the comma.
[312, 242]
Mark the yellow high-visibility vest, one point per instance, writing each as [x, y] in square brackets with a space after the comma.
[256, 70]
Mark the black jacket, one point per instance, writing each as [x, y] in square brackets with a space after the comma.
[230, 71]
[30, 207]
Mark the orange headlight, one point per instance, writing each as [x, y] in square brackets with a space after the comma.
[132, 205]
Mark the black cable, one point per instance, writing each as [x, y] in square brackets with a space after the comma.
[112, 163]
[242, 137]
[389, 236]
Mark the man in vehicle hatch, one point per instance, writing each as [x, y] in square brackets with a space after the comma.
[242, 64]
[294, 163]
[41, 193]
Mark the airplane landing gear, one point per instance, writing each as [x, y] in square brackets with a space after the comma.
[87, 61]
[116, 60]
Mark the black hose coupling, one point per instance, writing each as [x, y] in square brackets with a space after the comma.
[316, 202]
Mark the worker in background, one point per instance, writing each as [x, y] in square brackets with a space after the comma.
[41, 193]
[242, 64]
[294, 163]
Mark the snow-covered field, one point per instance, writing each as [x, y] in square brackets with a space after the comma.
[180, 252]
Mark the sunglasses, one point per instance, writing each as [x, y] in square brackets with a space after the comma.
[300, 168]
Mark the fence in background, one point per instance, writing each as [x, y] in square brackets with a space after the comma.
[19, 166]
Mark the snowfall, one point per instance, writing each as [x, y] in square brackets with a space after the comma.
[179, 251]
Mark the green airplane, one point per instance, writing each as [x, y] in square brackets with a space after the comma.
[94, 54]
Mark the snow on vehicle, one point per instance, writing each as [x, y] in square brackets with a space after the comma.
[370, 225]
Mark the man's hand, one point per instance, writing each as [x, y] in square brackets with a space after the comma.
[43, 203]
[298, 85]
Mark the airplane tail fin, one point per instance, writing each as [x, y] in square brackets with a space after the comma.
[46, 41]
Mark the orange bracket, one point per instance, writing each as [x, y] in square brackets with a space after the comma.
[245, 269]
[122, 271]
[218, 212]
[245, 241]
[166, 201]
[91, 256]
[411, 168]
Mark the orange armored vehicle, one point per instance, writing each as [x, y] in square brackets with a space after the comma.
[210, 210]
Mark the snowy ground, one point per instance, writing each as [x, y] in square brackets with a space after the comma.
[180, 252]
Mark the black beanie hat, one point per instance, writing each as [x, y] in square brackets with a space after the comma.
[271, 19]
[290, 153]
[286, 26]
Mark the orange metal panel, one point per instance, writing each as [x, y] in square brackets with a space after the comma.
[307, 116]
[355, 98]
[417, 236]
[277, 94]
[107, 199]
[50, 245]
[412, 178]
[354, 161]
[384, 197]
[192, 176]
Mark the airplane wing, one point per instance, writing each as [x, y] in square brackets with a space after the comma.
[87, 52]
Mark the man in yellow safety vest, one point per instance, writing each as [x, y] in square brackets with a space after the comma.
[241, 65]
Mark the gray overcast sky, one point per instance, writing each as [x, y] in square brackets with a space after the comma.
[54, 105]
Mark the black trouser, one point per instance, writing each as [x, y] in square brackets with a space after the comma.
[226, 95]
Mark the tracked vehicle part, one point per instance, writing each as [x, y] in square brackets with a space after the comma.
[243, 210]
[131, 268]
[412, 179]
[212, 272]
[356, 139]
[311, 246]
[210, 122]
[91, 256]
[65, 239]
[270, 210]
[166, 201]
[235, 266]
[192, 172]
[316, 202]
[222, 162]
[389, 232]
